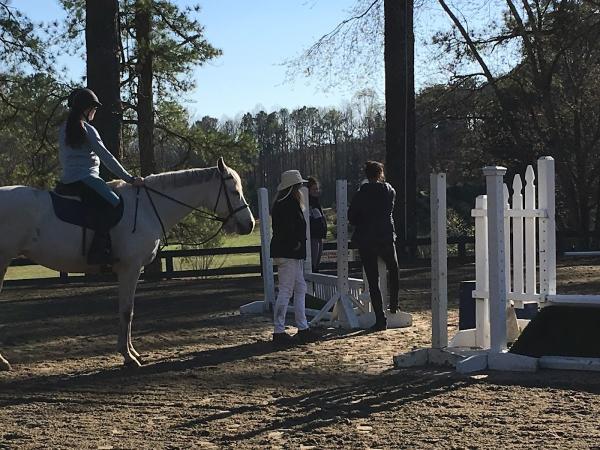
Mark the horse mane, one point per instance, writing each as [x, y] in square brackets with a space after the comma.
[180, 178]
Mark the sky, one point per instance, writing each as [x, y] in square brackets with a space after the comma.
[256, 37]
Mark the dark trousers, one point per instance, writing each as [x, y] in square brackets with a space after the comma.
[368, 256]
[100, 210]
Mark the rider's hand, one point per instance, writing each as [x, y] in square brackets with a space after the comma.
[138, 181]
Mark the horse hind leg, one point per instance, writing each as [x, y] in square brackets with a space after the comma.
[128, 278]
[132, 350]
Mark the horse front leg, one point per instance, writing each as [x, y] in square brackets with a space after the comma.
[129, 340]
[128, 278]
[4, 364]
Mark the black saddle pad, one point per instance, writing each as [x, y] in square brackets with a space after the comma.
[75, 212]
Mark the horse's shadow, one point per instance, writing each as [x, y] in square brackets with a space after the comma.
[199, 360]
[124, 375]
[45, 321]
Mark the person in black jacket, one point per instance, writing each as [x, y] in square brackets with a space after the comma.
[371, 214]
[288, 249]
[318, 223]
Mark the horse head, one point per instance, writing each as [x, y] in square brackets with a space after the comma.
[231, 205]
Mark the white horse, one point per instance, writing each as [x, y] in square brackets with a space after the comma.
[30, 227]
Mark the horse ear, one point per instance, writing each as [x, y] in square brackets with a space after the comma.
[221, 165]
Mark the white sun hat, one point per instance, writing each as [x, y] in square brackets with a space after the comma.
[290, 178]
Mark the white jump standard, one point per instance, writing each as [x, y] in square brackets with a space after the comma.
[503, 280]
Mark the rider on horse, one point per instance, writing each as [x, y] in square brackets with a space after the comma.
[80, 151]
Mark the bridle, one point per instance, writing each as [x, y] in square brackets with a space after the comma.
[208, 215]
[232, 211]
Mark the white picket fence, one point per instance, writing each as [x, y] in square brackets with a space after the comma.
[515, 245]
[515, 249]
[521, 219]
[510, 270]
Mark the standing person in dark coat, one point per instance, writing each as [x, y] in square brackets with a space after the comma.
[288, 249]
[318, 223]
[371, 214]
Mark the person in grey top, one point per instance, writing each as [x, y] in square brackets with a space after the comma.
[80, 151]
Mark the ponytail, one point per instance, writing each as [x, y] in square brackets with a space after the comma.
[74, 131]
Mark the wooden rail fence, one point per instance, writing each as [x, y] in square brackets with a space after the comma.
[463, 252]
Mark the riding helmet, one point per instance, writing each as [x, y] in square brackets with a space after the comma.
[82, 99]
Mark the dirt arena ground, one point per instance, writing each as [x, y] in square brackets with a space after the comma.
[212, 379]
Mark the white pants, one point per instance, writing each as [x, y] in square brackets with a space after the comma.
[290, 273]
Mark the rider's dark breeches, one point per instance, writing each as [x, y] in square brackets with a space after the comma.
[100, 209]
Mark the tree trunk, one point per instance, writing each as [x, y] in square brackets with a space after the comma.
[102, 42]
[400, 116]
[145, 106]
[145, 101]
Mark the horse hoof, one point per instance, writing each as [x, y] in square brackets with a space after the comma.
[4, 365]
[132, 364]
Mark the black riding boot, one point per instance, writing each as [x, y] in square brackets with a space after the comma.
[100, 252]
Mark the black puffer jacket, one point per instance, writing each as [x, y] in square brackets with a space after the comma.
[289, 230]
[371, 214]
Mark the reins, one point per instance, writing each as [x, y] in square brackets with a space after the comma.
[205, 214]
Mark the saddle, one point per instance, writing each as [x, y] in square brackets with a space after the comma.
[69, 207]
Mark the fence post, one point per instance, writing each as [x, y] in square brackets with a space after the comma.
[439, 261]
[169, 266]
[497, 267]
[265, 242]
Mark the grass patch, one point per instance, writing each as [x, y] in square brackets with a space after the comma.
[218, 261]
[236, 240]
[29, 272]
